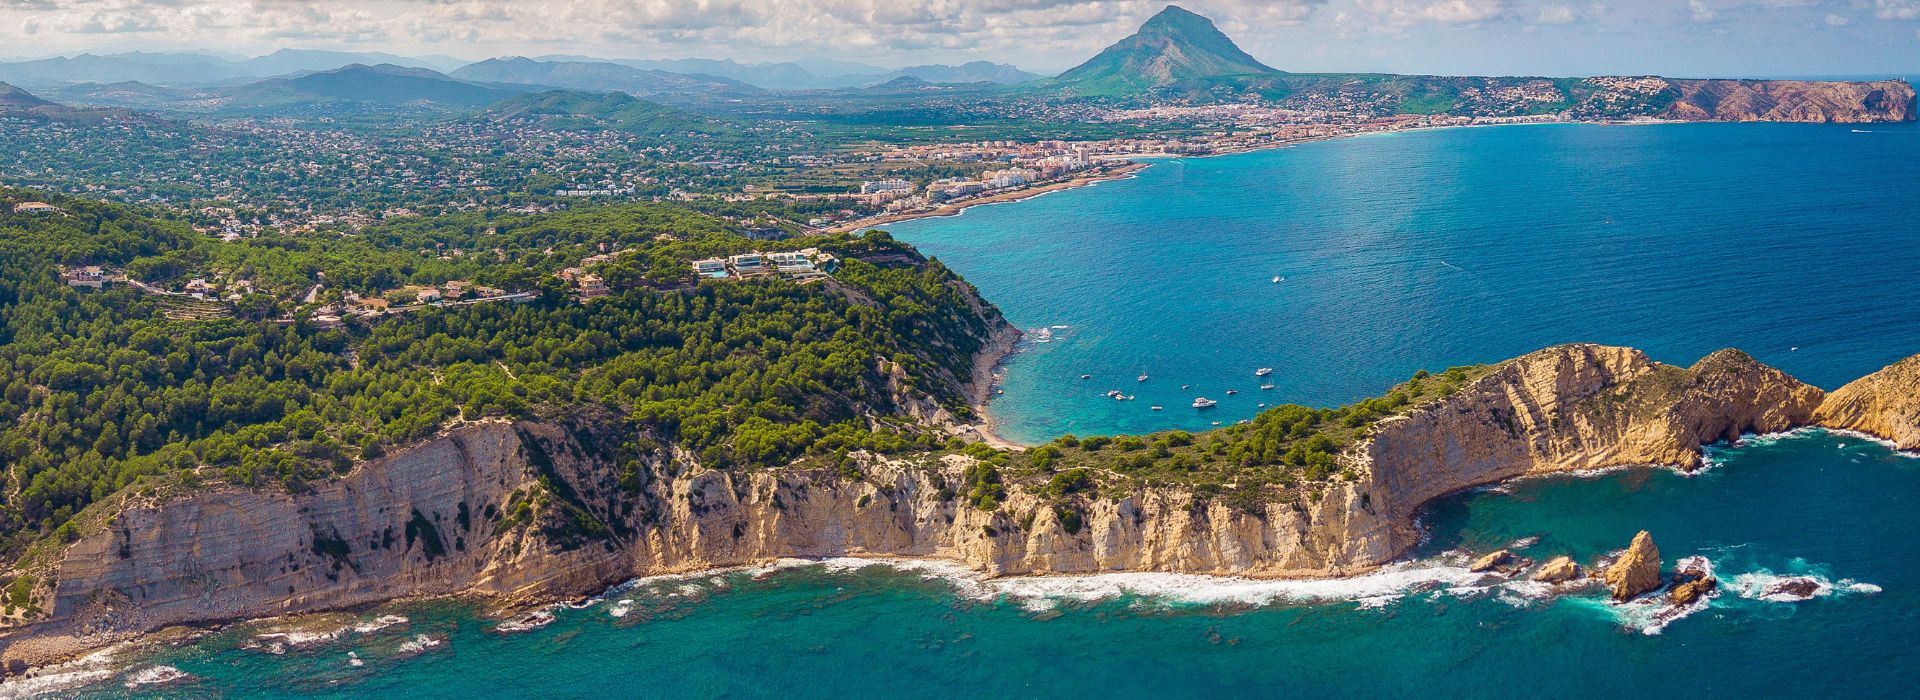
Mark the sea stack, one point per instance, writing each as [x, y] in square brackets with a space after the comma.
[1637, 571]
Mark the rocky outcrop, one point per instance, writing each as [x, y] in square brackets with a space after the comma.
[1559, 569]
[1637, 570]
[1885, 403]
[526, 511]
[1572, 407]
[1491, 561]
[1790, 101]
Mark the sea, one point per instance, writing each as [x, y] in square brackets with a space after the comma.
[1392, 253]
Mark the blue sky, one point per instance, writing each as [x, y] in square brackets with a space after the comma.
[1552, 37]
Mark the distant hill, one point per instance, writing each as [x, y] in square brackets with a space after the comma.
[972, 72]
[13, 99]
[589, 75]
[576, 109]
[177, 69]
[1174, 48]
[818, 74]
[381, 86]
[15, 102]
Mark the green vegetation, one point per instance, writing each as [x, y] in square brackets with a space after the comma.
[99, 391]
[1260, 461]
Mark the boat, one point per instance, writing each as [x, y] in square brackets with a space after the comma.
[1276, 279]
[1231, 392]
[1086, 376]
[1204, 402]
[1264, 387]
[1113, 393]
[1141, 378]
[1156, 408]
[1183, 386]
[1263, 371]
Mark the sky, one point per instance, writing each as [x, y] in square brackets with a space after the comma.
[1682, 38]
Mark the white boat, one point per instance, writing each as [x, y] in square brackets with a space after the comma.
[1086, 376]
[1276, 279]
[1263, 371]
[1204, 402]
[1156, 408]
[1141, 378]
[1231, 392]
[1183, 386]
[1264, 387]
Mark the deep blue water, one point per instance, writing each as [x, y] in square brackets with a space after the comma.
[1399, 252]
[1429, 249]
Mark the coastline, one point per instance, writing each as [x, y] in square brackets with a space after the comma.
[987, 365]
[954, 209]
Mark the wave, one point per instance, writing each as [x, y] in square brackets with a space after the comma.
[420, 643]
[78, 673]
[156, 675]
[532, 620]
[379, 623]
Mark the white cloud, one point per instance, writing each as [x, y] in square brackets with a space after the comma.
[1011, 28]
[1837, 21]
[1896, 9]
[1402, 14]
[1554, 14]
[1700, 11]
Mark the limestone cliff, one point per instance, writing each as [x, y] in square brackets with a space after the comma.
[1885, 403]
[536, 510]
[1791, 101]
[1573, 407]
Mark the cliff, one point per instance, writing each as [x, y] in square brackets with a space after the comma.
[536, 510]
[1885, 403]
[1790, 101]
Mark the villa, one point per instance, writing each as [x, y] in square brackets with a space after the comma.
[750, 265]
[710, 269]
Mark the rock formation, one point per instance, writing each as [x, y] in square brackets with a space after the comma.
[1885, 403]
[1636, 571]
[1559, 569]
[535, 510]
[1490, 561]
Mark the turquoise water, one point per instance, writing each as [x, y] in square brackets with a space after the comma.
[1399, 252]
[1837, 508]
[1427, 249]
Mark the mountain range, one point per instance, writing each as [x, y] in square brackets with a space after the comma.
[1176, 55]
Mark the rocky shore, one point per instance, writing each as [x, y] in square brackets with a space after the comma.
[532, 511]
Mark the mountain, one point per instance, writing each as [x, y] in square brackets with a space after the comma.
[18, 103]
[594, 75]
[1174, 48]
[816, 74]
[156, 68]
[13, 99]
[576, 109]
[287, 61]
[972, 72]
[381, 86]
[176, 69]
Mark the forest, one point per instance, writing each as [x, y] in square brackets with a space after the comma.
[98, 390]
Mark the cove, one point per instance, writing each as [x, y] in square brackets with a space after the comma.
[1416, 250]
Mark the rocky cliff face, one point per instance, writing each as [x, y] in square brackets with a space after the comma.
[1574, 407]
[1792, 101]
[1885, 403]
[532, 510]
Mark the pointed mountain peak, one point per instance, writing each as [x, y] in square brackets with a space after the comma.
[1173, 47]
